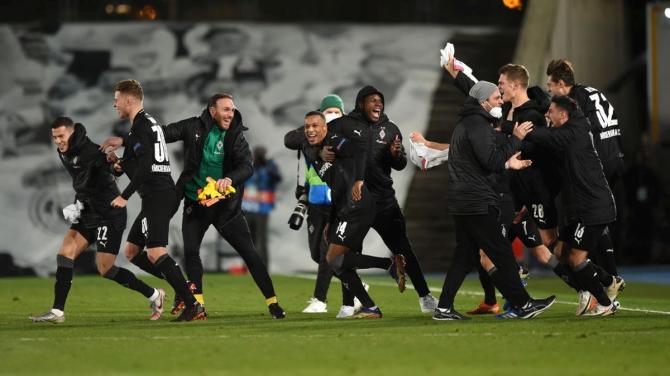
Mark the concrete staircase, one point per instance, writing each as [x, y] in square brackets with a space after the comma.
[429, 226]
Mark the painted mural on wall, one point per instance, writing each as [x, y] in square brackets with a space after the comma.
[276, 72]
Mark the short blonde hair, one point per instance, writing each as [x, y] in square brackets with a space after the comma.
[131, 87]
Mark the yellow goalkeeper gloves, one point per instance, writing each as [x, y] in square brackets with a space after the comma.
[209, 195]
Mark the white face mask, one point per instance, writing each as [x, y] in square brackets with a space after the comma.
[496, 112]
[332, 115]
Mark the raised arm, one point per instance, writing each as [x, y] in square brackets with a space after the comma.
[418, 138]
[294, 139]
[177, 131]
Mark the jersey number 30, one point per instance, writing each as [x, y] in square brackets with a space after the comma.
[160, 150]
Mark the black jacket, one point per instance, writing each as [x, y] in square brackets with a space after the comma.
[538, 179]
[604, 123]
[340, 175]
[586, 195]
[379, 161]
[236, 161]
[473, 157]
[92, 180]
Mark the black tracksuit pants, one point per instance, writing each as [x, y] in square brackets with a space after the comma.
[389, 223]
[475, 232]
[233, 227]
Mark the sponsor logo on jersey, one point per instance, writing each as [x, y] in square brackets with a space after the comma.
[324, 168]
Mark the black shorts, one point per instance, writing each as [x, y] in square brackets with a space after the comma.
[525, 230]
[107, 237]
[348, 233]
[534, 194]
[151, 228]
[580, 236]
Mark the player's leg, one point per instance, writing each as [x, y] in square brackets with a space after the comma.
[465, 257]
[108, 241]
[490, 304]
[352, 281]
[583, 239]
[195, 222]
[527, 231]
[236, 232]
[134, 250]
[316, 221]
[390, 225]
[487, 236]
[74, 243]
[158, 209]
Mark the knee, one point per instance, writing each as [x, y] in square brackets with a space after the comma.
[485, 261]
[156, 254]
[541, 253]
[576, 258]
[335, 262]
[548, 237]
[103, 268]
[131, 251]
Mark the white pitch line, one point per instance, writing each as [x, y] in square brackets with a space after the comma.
[479, 293]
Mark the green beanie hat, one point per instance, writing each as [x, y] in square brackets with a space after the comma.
[331, 100]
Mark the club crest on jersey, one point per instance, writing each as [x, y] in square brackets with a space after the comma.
[219, 145]
[382, 134]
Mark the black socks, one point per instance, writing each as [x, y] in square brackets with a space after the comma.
[127, 279]
[63, 281]
[175, 278]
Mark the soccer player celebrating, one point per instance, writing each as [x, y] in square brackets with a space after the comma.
[384, 152]
[352, 204]
[318, 215]
[145, 161]
[93, 219]
[606, 138]
[587, 198]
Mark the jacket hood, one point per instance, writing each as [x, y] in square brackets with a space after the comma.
[235, 125]
[364, 92]
[77, 139]
[539, 99]
[472, 107]
[358, 110]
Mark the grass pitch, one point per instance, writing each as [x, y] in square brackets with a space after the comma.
[107, 331]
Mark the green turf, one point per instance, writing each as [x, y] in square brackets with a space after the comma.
[107, 332]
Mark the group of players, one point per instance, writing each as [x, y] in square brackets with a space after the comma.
[512, 173]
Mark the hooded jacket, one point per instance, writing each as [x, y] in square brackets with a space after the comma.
[93, 181]
[237, 156]
[586, 195]
[379, 137]
[473, 156]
